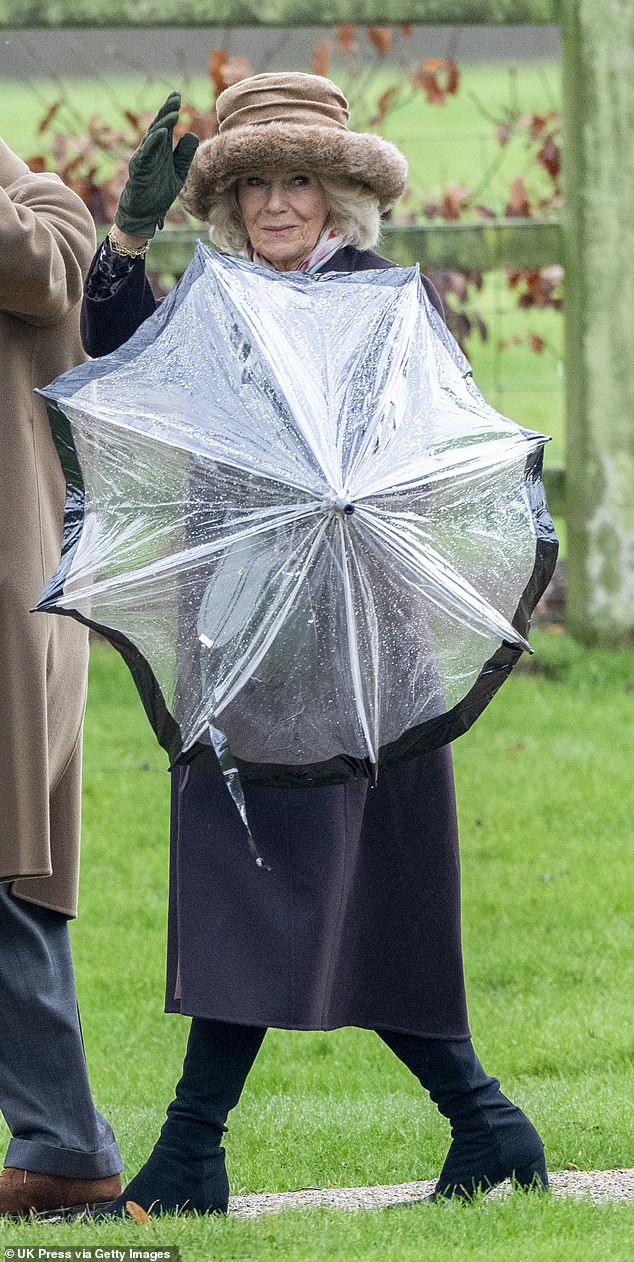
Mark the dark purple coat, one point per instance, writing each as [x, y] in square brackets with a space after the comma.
[356, 921]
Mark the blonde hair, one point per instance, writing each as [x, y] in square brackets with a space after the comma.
[353, 212]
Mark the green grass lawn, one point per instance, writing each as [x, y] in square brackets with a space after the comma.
[544, 787]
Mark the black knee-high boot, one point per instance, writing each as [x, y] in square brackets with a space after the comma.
[492, 1139]
[186, 1168]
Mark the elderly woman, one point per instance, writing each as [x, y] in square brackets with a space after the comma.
[359, 923]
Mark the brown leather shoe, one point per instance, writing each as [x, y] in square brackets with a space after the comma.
[24, 1192]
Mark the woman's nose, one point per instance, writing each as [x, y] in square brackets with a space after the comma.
[277, 199]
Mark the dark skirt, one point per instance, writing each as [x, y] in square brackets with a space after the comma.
[357, 922]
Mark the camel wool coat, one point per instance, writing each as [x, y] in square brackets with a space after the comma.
[47, 239]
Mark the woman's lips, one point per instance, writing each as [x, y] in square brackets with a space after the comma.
[287, 227]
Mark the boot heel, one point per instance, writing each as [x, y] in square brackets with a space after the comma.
[534, 1175]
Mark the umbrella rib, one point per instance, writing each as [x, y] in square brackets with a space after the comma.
[196, 450]
[395, 381]
[283, 374]
[457, 589]
[462, 464]
[238, 676]
[178, 560]
[355, 664]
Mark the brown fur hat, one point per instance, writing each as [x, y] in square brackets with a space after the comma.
[293, 122]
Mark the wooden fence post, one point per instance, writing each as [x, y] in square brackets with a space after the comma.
[598, 224]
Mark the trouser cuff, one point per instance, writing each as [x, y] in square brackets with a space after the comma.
[71, 1163]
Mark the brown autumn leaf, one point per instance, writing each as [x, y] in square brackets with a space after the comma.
[423, 79]
[380, 38]
[538, 287]
[518, 205]
[483, 212]
[137, 1212]
[383, 104]
[454, 200]
[534, 288]
[452, 73]
[537, 343]
[538, 123]
[216, 61]
[320, 60]
[438, 77]
[138, 123]
[36, 163]
[347, 39]
[407, 29]
[549, 157]
[51, 113]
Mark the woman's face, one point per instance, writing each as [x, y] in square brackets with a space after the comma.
[283, 213]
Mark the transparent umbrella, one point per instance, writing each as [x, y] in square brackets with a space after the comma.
[292, 511]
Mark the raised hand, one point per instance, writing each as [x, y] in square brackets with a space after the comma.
[156, 173]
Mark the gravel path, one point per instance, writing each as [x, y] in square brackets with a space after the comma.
[599, 1185]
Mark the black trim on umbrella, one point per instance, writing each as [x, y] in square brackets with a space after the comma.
[163, 722]
[62, 432]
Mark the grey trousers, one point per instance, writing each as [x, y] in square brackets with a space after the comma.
[44, 1090]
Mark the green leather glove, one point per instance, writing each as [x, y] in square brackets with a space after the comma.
[156, 173]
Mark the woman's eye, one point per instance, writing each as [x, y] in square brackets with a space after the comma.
[254, 181]
[301, 181]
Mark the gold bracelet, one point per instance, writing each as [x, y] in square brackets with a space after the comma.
[117, 246]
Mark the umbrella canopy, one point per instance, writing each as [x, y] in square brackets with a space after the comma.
[295, 515]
